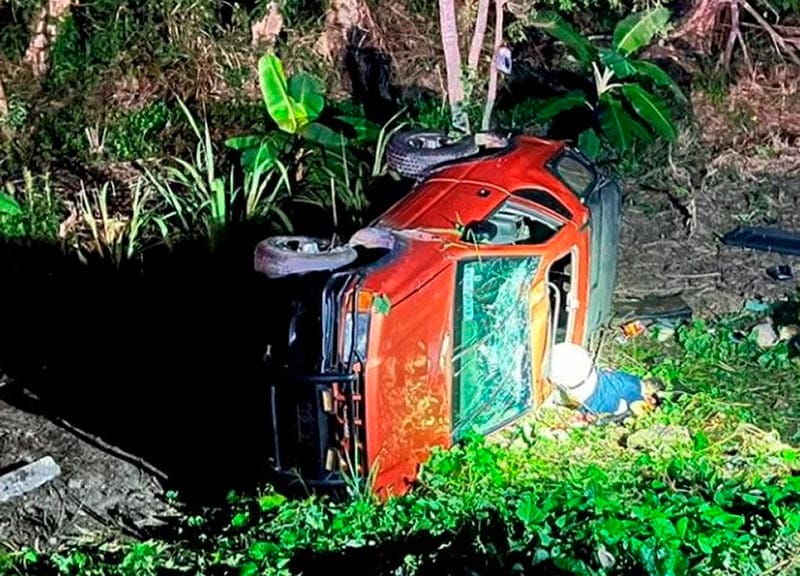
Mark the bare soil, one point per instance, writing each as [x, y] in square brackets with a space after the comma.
[97, 494]
[738, 167]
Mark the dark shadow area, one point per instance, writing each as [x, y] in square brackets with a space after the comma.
[164, 363]
[162, 359]
[478, 547]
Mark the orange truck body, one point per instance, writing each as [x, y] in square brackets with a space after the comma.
[454, 331]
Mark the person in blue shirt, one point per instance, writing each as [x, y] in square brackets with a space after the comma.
[593, 391]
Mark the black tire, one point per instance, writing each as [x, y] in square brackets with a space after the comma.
[279, 256]
[413, 154]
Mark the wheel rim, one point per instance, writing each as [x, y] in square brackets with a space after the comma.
[428, 141]
[303, 245]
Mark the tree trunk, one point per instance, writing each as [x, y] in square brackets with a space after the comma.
[44, 30]
[499, 6]
[3, 101]
[452, 61]
[477, 37]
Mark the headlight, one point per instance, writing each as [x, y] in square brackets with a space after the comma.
[361, 326]
[356, 332]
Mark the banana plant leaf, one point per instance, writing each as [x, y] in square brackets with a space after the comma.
[259, 151]
[366, 131]
[322, 135]
[633, 33]
[659, 76]
[289, 115]
[589, 143]
[554, 25]
[309, 92]
[551, 107]
[8, 205]
[620, 127]
[652, 109]
[619, 64]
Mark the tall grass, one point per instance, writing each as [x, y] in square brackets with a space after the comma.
[201, 198]
[119, 237]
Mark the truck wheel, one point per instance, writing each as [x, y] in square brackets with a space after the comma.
[279, 256]
[412, 154]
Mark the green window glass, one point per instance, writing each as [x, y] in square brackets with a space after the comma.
[492, 352]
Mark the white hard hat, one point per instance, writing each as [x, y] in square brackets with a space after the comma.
[570, 365]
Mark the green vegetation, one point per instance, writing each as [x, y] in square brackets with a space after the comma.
[692, 488]
[618, 87]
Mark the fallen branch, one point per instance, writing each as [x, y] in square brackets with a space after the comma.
[704, 20]
[776, 38]
[41, 407]
[111, 449]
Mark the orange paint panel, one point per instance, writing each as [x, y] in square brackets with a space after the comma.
[408, 391]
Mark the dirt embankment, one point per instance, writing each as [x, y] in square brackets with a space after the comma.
[96, 493]
[739, 167]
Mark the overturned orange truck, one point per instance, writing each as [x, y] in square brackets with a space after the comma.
[436, 319]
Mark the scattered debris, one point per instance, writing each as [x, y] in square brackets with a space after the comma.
[765, 239]
[757, 307]
[670, 306]
[27, 478]
[788, 332]
[780, 273]
[632, 330]
[660, 315]
[765, 334]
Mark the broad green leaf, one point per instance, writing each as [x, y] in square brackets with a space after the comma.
[309, 92]
[8, 205]
[619, 64]
[553, 106]
[287, 114]
[619, 126]
[271, 501]
[554, 25]
[260, 550]
[651, 108]
[589, 143]
[322, 135]
[240, 519]
[243, 142]
[659, 76]
[637, 30]
[260, 158]
[264, 150]
[366, 130]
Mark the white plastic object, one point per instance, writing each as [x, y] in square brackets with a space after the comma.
[503, 60]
